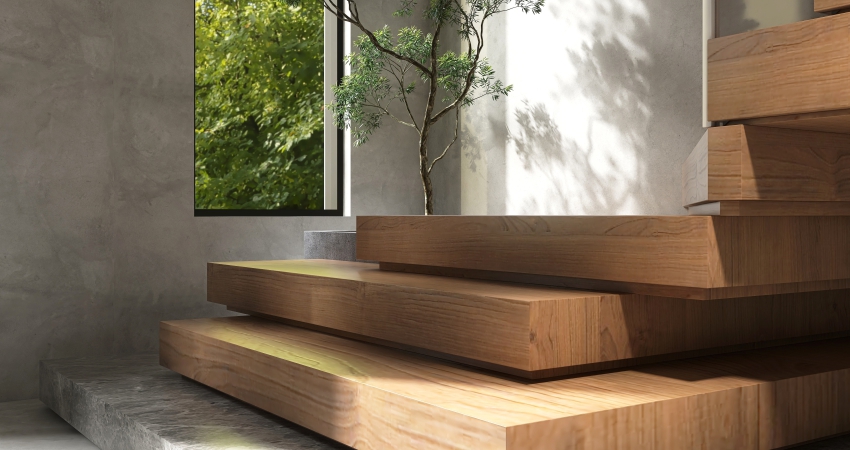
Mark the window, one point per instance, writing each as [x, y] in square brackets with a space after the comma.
[264, 144]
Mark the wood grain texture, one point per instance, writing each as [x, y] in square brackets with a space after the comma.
[370, 397]
[823, 6]
[801, 67]
[769, 208]
[524, 330]
[826, 121]
[700, 252]
[760, 163]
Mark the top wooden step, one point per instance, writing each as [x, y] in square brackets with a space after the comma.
[672, 256]
[825, 6]
[799, 68]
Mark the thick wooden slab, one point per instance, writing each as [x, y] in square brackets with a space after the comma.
[524, 330]
[802, 67]
[742, 162]
[672, 256]
[371, 397]
[823, 6]
[769, 208]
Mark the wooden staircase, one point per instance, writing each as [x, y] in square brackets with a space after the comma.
[725, 329]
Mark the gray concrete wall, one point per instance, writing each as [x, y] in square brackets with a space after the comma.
[606, 106]
[98, 242]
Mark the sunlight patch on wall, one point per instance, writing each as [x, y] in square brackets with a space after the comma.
[577, 118]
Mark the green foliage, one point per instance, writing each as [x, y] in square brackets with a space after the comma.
[389, 68]
[258, 104]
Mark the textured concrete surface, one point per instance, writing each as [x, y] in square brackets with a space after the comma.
[132, 403]
[97, 232]
[30, 425]
[338, 245]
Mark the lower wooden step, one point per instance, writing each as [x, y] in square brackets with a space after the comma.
[524, 330]
[371, 397]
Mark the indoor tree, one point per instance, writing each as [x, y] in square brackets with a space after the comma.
[389, 68]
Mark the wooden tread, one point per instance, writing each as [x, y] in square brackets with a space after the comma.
[798, 68]
[824, 6]
[827, 121]
[523, 330]
[672, 256]
[740, 162]
[370, 397]
[769, 208]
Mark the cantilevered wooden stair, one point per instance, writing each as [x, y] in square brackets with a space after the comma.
[725, 329]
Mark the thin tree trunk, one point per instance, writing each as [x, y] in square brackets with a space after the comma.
[423, 170]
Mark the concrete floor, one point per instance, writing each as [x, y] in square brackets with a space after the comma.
[29, 425]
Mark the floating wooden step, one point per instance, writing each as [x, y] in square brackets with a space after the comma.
[371, 397]
[760, 163]
[827, 121]
[769, 208]
[672, 256]
[803, 67]
[524, 330]
[824, 6]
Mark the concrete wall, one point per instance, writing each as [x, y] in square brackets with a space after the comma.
[738, 16]
[97, 238]
[606, 106]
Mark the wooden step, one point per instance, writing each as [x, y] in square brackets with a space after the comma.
[802, 67]
[741, 162]
[371, 397]
[824, 6]
[698, 257]
[827, 121]
[769, 208]
[524, 330]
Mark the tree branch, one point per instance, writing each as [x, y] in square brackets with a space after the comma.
[388, 113]
[354, 19]
[457, 128]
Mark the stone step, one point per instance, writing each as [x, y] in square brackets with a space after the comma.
[133, 403]
[371, 397]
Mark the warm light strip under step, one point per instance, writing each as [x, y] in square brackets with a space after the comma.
[371, 397]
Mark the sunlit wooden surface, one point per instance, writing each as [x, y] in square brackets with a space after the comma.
[371, 397]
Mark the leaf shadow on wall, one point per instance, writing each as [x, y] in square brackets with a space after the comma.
[624, 120]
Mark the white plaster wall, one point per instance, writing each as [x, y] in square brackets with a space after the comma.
[606, 106]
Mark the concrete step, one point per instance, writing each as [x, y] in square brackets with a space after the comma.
[132, 403]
